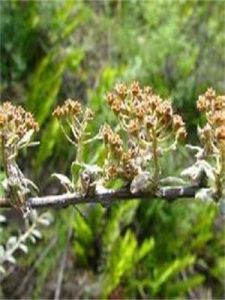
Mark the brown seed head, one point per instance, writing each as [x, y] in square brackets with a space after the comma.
[121, 90]
[112, 171]
[110, 98]
[106, 133]
[2, 119]
[69, 108]
[181, 134]
[177, 122]
[135, 88]
[220, 133]
[16, 120]
[116, 105]
[133, 127]
[218, 118]
[210, 94]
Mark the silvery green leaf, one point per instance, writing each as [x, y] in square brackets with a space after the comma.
[2, 219]
[190, 172]
[26, 138]
[11, 259]
[94, 169]
[141, 183]
[172, 181]
[32, 184]
[2, 251]
[199, 130]
[5, 184]
[33, 144]
[45, 219]
[11, 242]
[23, 247]
[193, 147]
[209, 170]
[36, 233]
[204, 195]
[11, 140]
[2, 270]
[195, 171]
[33, 239]
[65, 181]
[75, 169]
[33, 215]
[199, 150]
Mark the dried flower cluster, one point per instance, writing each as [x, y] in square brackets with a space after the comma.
[69, 109]
[148, 125]
[14, 120]
[16, 129]
[213, 106]
[73, 118]
[121, 162]
[212, 135]
[142, 112]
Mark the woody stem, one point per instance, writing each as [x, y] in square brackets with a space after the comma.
[5, 160]
[155, 160]
[220, 174]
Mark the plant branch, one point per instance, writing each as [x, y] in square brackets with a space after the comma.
[107, 197]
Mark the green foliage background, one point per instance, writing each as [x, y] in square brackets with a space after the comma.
[53, 50]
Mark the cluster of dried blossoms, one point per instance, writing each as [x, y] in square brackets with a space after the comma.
[74, 120]
[121, 161]
[72, 115]
[15, 123]
[147, 126]
[212, 135]
[69, 109]
[16, 129]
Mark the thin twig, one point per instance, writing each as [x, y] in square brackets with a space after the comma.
[32, 270]
[62, 266]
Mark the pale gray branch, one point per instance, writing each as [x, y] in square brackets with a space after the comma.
[107, 197]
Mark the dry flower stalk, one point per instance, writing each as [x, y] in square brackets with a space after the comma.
[212, 135]
[16, 129]
[72, 115]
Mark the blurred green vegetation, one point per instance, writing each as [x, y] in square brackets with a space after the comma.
[53, 50]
